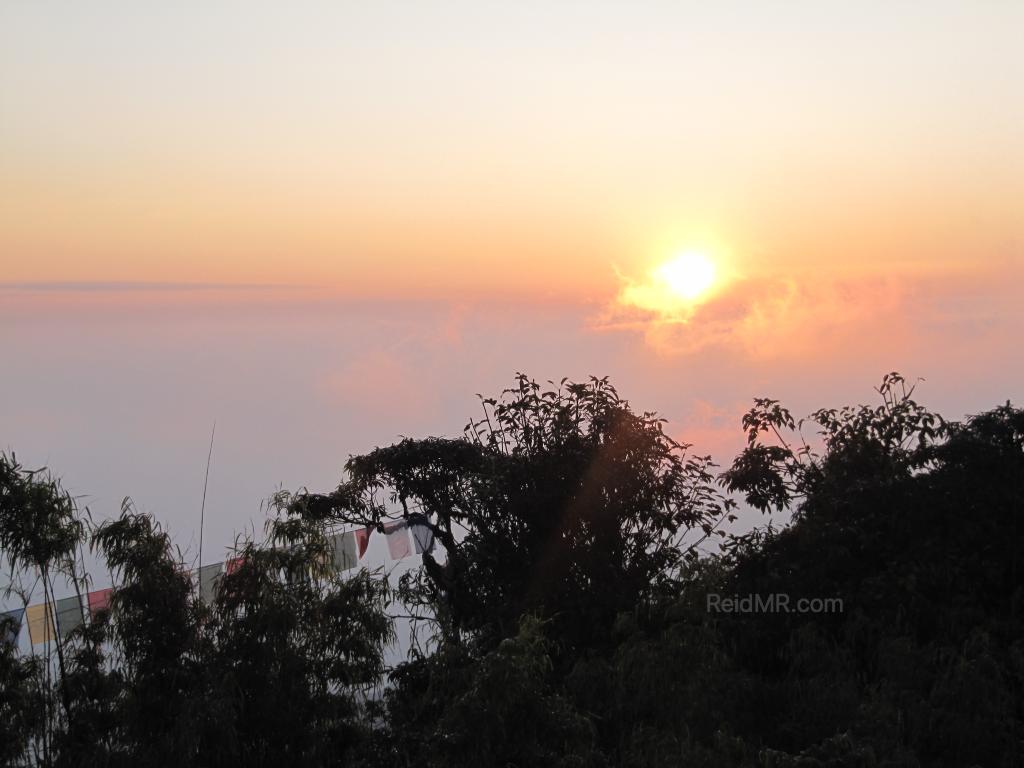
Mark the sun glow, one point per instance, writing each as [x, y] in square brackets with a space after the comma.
[688, 276]
[674, 289]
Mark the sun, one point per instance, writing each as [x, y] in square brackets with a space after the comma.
[688, 276]
[675, 289]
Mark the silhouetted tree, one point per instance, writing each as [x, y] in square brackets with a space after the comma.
[567, 605]
[564, 504]
[294, 658]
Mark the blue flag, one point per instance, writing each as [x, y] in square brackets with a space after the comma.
[10, 625]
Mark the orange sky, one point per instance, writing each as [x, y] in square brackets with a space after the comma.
[328, 224]
[532, 151]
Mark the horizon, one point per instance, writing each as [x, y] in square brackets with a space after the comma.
[324, 227]
[671, 350]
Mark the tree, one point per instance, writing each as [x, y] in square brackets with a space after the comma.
[914, 522]
[275, 671]
[40, 533]
[568, 604]
[294, 658]
[563, 504]
[156, 629]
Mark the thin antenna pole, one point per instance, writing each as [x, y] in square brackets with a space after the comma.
[206, 481]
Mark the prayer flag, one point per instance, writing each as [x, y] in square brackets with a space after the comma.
[363, 540]
[99, 600]
[398, 540]
[69, 614]
[40, 623]
[344, 550]
[422, 537]
[296, 573]
[209, 577]
[10, 625]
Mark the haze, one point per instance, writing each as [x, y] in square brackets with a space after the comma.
[328, 225]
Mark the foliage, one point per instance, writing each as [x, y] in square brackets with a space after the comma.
[290, 656]
[562, 503]
[496, 710]
[567, 605]
[275, 671]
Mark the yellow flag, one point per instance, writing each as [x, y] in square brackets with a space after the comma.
[40, 623]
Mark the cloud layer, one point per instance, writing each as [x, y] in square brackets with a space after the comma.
[778, 317]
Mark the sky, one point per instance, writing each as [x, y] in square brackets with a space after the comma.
[324, 226]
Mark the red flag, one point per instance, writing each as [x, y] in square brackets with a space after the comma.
[363, 540]
[99, 601]
[233, 565]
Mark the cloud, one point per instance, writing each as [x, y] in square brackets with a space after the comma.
[115, 286]
[768, 317]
